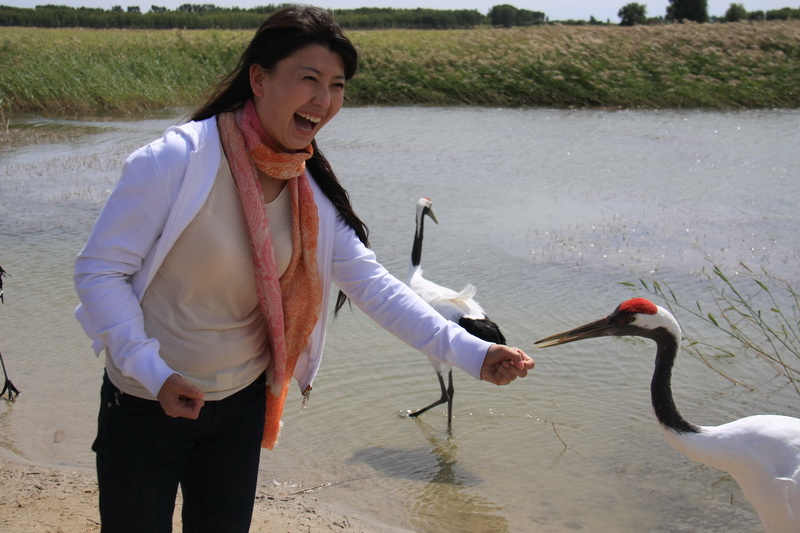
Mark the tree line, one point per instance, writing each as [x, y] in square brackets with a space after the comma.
[208, 16]
[697, 11]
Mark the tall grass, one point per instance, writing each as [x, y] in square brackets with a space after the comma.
[674, 66]
[74, 71]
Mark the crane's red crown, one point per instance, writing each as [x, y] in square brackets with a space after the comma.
[639, 305]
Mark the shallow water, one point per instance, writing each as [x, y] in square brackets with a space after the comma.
[546, 212]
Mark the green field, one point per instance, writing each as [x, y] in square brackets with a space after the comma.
[98, 72]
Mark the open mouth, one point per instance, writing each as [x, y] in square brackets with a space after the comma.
[306, 122]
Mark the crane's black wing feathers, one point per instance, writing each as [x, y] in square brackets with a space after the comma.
[483, 328]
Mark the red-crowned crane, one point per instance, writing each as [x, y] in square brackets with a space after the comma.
[2, 273]
[761, 452]
[7, 385]
[459, 307]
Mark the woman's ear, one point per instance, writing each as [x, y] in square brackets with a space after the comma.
[257, 75]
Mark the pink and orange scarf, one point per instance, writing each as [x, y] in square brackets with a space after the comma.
[291, 303]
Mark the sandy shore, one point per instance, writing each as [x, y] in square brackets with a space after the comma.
[35, 499]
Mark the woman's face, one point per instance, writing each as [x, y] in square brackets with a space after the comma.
[299, 95]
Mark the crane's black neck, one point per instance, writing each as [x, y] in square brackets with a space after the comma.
[661, 385]
[416, 250]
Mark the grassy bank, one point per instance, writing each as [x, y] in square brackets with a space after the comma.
[73, 71]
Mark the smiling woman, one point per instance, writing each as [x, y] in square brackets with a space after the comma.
[296, 97]
[300, 95]
[197, 373]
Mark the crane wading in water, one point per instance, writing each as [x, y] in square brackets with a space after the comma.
[7, 385]
[2, 274]
[761, 452]
[458, 307]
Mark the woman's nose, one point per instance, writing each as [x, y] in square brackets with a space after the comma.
[322, 97]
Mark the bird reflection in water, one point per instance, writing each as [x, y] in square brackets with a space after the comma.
[442, 495]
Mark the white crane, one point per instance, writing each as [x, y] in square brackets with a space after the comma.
[2, 273]
[7, 385]
[459, 307]
[761, 452]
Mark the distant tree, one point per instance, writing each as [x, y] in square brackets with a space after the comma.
[198, 8]
[134, 9]
[633, 13]
[736, 13]
[526, 17]
[503, 15]
[785, 13]
[506, 15]
[116, 9]
[694, 10]
[755, 16]
[158, 9]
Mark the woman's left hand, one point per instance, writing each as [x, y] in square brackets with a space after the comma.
[504, 364]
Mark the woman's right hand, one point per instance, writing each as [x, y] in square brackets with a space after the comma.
[504, 364]
[180, 399]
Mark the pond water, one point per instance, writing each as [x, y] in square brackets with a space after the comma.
[548, 213]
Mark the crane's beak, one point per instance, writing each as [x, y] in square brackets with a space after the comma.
[429, 212]
[598, 328]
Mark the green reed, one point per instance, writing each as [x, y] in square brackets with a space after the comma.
[672, 66]
[75, 71]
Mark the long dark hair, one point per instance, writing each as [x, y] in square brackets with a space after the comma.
[278, 37]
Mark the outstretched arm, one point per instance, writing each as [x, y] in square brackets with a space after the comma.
[504, 364]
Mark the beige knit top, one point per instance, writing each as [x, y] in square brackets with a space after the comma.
[202, 305]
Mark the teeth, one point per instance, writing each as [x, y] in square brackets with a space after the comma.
[315, 120]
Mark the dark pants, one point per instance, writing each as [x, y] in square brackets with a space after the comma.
[143, 455]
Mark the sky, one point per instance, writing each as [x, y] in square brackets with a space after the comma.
[602, 10]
